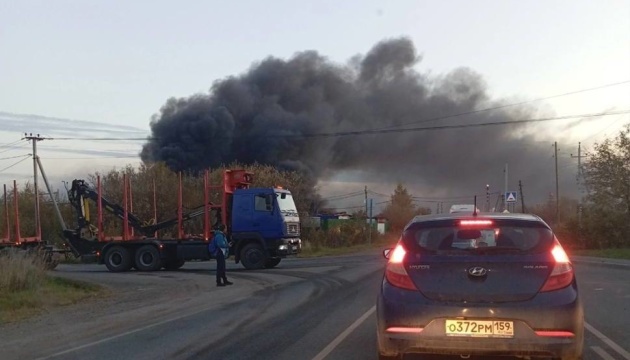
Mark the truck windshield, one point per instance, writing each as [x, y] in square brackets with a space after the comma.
[286, 204]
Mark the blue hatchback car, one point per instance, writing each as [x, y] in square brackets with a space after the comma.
[479, 284]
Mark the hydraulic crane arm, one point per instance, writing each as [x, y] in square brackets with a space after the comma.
[150, 229]
[80, 191]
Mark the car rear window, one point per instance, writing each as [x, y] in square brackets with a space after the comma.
[496, 236]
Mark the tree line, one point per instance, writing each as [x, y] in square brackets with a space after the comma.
[601, 219]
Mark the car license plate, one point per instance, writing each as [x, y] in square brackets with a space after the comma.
[480, 328]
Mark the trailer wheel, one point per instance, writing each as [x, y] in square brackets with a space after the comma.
[174, 265]
[272, 262]
[148, 258]
[253, 257]
[118, 259]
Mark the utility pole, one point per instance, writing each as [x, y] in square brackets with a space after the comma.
[487, 197]
[579, 168]
[520, 189]
[505, 204]
[34, 140]
[579, 182]
[366, 202]
[367, 219]
[370, 223]
[555, 155]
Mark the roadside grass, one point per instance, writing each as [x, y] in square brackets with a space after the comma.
[53, 292]
[26, 289]
[308, 250]
[622, 253]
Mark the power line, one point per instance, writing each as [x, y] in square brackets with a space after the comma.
[505, 106]
[343, 197]
[604, 129]
[10, 144]
[14, 157]
[436, 198]
[428, 201]
[103, 138]
[14, 164]
[442, 198]
[390, 131]
[378, 194]
[89, 158]
[445, 127]
[362, 206]
[10, 147]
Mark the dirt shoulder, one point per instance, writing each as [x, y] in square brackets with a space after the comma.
[127, 301]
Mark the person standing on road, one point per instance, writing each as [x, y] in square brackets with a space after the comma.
[221, 250]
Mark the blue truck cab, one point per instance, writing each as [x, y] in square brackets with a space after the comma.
[264, 227]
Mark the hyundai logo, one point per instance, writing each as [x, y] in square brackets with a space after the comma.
[477, 271]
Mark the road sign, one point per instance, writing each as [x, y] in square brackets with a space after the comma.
[510, 196]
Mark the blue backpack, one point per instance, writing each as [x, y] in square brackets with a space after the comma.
[212, 247]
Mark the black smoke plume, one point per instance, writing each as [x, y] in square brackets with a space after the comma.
[259, 116]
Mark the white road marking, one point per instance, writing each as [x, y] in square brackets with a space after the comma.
[328, 349]
[123, 334]
[601, 352]
[621, 351]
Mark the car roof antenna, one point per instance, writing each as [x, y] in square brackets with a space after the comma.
[475, 209]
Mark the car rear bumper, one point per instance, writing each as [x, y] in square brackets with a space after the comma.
[560, 310]
[432, 340]
[487, 349]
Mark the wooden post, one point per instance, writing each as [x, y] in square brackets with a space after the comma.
[125, 233]
[99, 207]
[180, 206]
[18, 236]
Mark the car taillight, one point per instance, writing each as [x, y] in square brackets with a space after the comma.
[395, 272]
[562, 274]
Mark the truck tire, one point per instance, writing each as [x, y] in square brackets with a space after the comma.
[272, 262]
[148, 258]
[118, 259]
[253, 257]
[174, 265]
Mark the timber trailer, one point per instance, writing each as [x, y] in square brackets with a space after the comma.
[13, 240]
[262, 224]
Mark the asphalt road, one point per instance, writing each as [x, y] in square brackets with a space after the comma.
[304, 309]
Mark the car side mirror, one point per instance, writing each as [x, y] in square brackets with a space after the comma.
[386, 253]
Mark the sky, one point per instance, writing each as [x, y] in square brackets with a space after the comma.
[110, 65]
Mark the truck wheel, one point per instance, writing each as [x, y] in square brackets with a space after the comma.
[148, 258]
[118, 259]
[253, 257]
[272, 262]
[174, 265]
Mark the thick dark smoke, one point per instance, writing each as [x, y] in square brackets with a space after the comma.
[242, 117]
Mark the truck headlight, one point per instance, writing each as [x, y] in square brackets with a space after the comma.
[283, 247]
